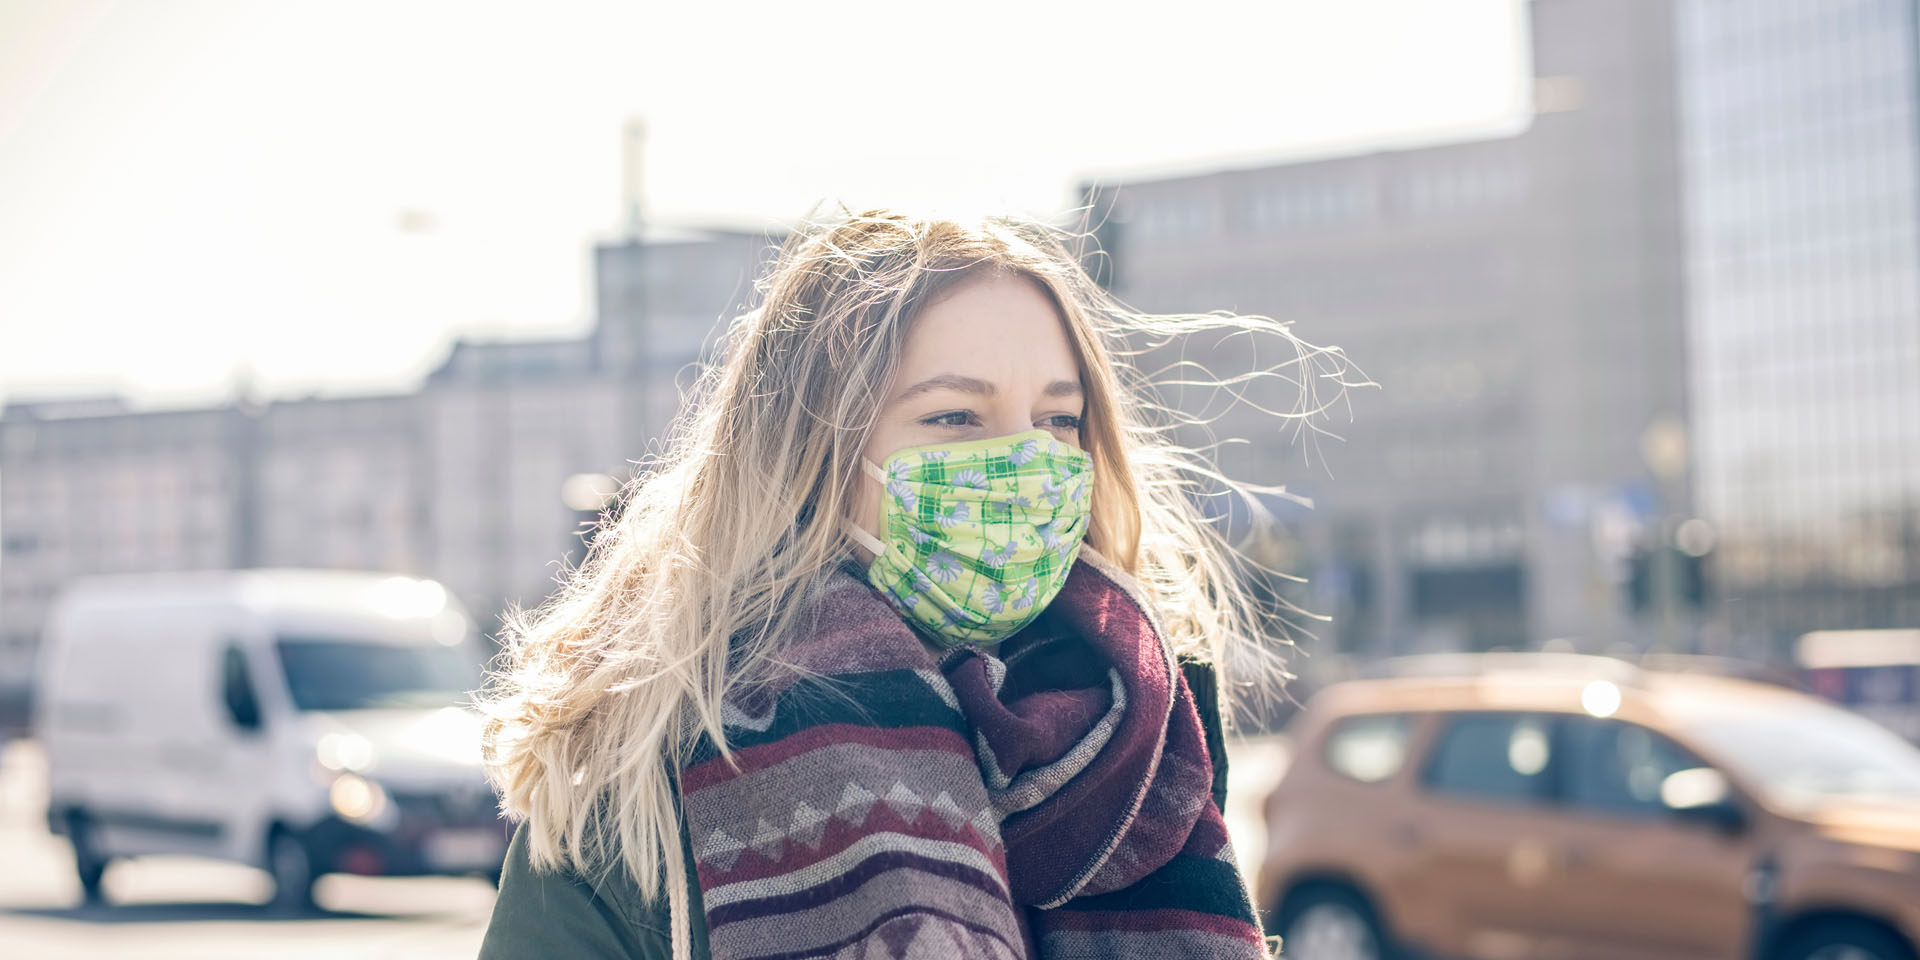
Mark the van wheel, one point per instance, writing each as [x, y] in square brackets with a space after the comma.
[1330, 923]
[292, 867]
[88, 862]
[1844, 940]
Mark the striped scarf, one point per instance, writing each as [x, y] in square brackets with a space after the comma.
[1049, 799]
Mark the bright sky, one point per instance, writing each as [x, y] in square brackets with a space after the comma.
[325, 194]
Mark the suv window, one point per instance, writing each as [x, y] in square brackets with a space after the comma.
[1615, 767]
[236, 689]
[1495, 756]
[1369, 748]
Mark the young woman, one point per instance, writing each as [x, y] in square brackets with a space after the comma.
[902, 650]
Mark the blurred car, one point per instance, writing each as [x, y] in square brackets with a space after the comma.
[303, 721]
[1499, 807]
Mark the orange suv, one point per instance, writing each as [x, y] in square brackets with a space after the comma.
[1560, 807]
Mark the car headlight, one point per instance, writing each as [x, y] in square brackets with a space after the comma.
[356, 798]
[344, 751]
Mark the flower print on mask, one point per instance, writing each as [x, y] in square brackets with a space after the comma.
[1049, 537]
[897, 485]
[920, 537]
[1025, 600]
[970, 479]
[952, 515]
[1051, 491]
[901, 594]
[943, 567]
[993, 599]
[997, 559]
[1024, 452]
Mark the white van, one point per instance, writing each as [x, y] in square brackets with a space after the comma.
[304, 721]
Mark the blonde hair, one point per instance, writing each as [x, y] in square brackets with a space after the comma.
[600, 693]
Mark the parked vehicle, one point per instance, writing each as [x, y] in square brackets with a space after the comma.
[303, 721]
[1875, 673]
[1544, 806]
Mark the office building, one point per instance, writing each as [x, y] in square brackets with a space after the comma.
[1519, 299]
[1801, 150]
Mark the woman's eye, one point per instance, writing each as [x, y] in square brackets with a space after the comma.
[958, 418]
[1061, 421]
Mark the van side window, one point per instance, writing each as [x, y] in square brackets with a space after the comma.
[1619, 768]
[1495, 756]
[237, 689]
[1369, 748]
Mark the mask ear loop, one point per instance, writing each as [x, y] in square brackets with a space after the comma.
[864, 538]
[853, 530]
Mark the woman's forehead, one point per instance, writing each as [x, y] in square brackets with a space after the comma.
[996, 328]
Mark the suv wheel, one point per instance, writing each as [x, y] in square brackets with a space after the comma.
[292, 867]
[1330, 923]
[1842, 940]
[88, 862]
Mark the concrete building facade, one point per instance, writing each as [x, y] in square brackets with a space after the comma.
[460, 481]
[1519, 299]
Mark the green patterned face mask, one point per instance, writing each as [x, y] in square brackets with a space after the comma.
[978, 536]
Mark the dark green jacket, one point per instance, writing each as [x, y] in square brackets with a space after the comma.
[567, 915]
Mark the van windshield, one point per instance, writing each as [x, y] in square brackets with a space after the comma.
[324, 673]
[1814, 752]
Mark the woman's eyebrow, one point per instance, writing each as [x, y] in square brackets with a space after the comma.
[948, 381]
[977, 386]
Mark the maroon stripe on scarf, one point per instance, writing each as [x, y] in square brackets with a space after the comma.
[1208, 836]
[849, 881]
[754, 759]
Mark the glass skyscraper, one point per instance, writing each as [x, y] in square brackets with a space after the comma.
[1801, 172]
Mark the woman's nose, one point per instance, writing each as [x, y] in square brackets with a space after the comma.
[1006, 422]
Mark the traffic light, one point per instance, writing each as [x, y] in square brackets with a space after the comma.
[1640, 580]
[1692, 586]
[1693, 581]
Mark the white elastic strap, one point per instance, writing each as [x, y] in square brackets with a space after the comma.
[860, 536]
[864, 538]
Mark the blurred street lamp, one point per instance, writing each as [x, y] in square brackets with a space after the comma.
[1695, 538]
[416, 221]
[588, 492]
[1663, 446]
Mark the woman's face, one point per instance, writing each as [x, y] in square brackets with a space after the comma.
[988, 359]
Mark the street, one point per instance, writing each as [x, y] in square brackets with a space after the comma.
[181, 907]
